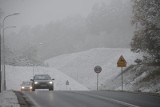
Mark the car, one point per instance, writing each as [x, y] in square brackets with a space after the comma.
[42, 81]
[26, 86]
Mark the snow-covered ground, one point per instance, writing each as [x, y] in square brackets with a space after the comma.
[8, 99]
[143, 78]
[78, 69]
[15, 76]
[80, 66]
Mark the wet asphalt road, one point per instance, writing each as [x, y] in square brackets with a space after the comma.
[91, 99]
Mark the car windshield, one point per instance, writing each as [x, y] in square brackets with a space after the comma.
[42, 77]
[26, 83]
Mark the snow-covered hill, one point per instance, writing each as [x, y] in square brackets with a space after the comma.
[78, 69]
[142, 78]
[80, 66]
[15, 76]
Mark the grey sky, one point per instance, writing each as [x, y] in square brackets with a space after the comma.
[35, 12]
[95, 25]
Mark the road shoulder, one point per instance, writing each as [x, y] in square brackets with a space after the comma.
[21, 99]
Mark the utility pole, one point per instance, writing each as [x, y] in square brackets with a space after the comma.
[3, 27]
[0, 64]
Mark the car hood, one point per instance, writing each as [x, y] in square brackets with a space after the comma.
[26, 85]
[42, 80]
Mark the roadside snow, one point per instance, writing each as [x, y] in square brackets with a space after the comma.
[8, 99]
[15, 76]
[77, 68]
[80, 66]
[144, 74]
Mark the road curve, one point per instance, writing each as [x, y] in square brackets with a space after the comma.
[91, 99]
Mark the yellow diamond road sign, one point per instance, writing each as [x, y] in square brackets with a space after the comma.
[121, 62]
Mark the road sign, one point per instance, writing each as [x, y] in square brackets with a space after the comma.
[97, 69]
[67, 82]
[121, 62]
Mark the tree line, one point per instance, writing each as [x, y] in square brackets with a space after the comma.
[146, 39]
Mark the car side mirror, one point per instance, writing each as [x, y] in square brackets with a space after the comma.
[31, 79]
[53, 79]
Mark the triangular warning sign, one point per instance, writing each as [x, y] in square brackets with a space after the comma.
[121, 62]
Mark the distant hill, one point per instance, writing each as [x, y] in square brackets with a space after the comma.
[17, 74]
[80, 66]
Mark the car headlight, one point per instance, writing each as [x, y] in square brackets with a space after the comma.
[30, 87]
[22, 87]
[35, 82]
[50, 82]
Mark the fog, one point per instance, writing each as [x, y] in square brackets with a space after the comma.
[47, 28]
[38, 12]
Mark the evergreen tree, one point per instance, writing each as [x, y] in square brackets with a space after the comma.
[146, 18]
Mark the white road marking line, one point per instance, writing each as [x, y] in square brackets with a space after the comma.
[110, 99]
[33, 101]
[117, 101]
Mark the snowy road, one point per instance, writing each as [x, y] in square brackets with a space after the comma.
[92, 99]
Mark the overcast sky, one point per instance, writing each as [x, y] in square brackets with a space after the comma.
[101, 33]
[35, 12]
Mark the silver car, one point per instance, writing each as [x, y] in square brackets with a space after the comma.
[26, 86]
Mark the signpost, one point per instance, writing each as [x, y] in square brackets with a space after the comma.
[0, 65]
[97, 70]
[67, 83]
[121, 63]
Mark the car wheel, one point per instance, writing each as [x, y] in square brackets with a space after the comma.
[51, 89]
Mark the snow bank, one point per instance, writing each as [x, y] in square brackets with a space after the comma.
[15, 76]
[80, 66]
[8, 99]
